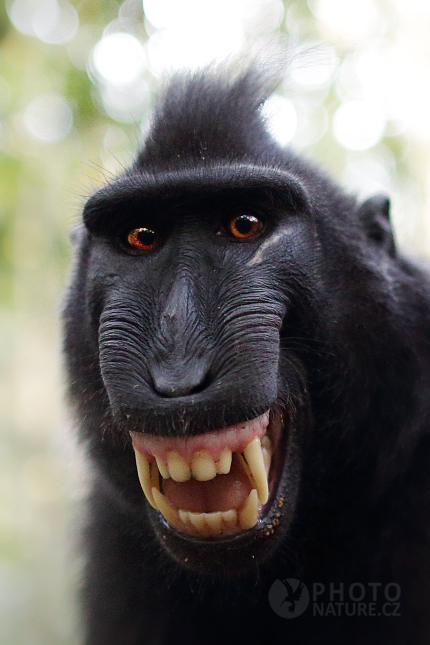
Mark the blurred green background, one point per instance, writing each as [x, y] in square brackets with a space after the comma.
[77, 80]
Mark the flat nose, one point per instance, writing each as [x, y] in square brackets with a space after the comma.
[180, 381]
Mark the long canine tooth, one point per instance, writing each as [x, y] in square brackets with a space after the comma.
[214, 522]
[229, 517]
[248, 514]
[144, 474]
[166, 508]
[223, 465]
[254, 457]
[178, 468]
[164, 472]
[203, 466]
[198, 521]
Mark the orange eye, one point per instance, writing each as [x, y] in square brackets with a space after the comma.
[143, 239]
[244, 227]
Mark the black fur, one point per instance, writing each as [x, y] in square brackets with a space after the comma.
[327, 323]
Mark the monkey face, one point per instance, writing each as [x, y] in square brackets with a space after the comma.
[208, 329]
[188, 290]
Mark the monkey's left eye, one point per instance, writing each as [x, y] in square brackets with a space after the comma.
[143, 239]
[244, 227]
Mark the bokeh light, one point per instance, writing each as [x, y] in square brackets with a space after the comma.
[359, 125]
[51, 21]
[118, 58]
[48, 118]
[187, 34]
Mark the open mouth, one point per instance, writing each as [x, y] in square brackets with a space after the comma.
[215, 484]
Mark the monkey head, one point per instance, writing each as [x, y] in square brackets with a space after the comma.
[228, 318]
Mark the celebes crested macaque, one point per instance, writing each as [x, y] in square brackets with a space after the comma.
[249, 362]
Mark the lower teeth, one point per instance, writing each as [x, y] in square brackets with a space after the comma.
[209, 524]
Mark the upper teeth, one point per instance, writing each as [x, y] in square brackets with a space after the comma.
[202, 467]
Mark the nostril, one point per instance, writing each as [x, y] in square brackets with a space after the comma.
[184, 382]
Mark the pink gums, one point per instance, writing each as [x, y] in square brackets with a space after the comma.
[235, 437]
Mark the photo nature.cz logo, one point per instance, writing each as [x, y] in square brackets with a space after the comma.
[290, 598]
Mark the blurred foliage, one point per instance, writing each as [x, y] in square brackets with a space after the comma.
[50, 162]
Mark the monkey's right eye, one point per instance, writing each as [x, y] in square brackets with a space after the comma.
[143, 239]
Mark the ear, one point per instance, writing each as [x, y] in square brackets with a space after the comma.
[374, 214]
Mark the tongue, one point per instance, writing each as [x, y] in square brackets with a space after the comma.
[223, 493]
